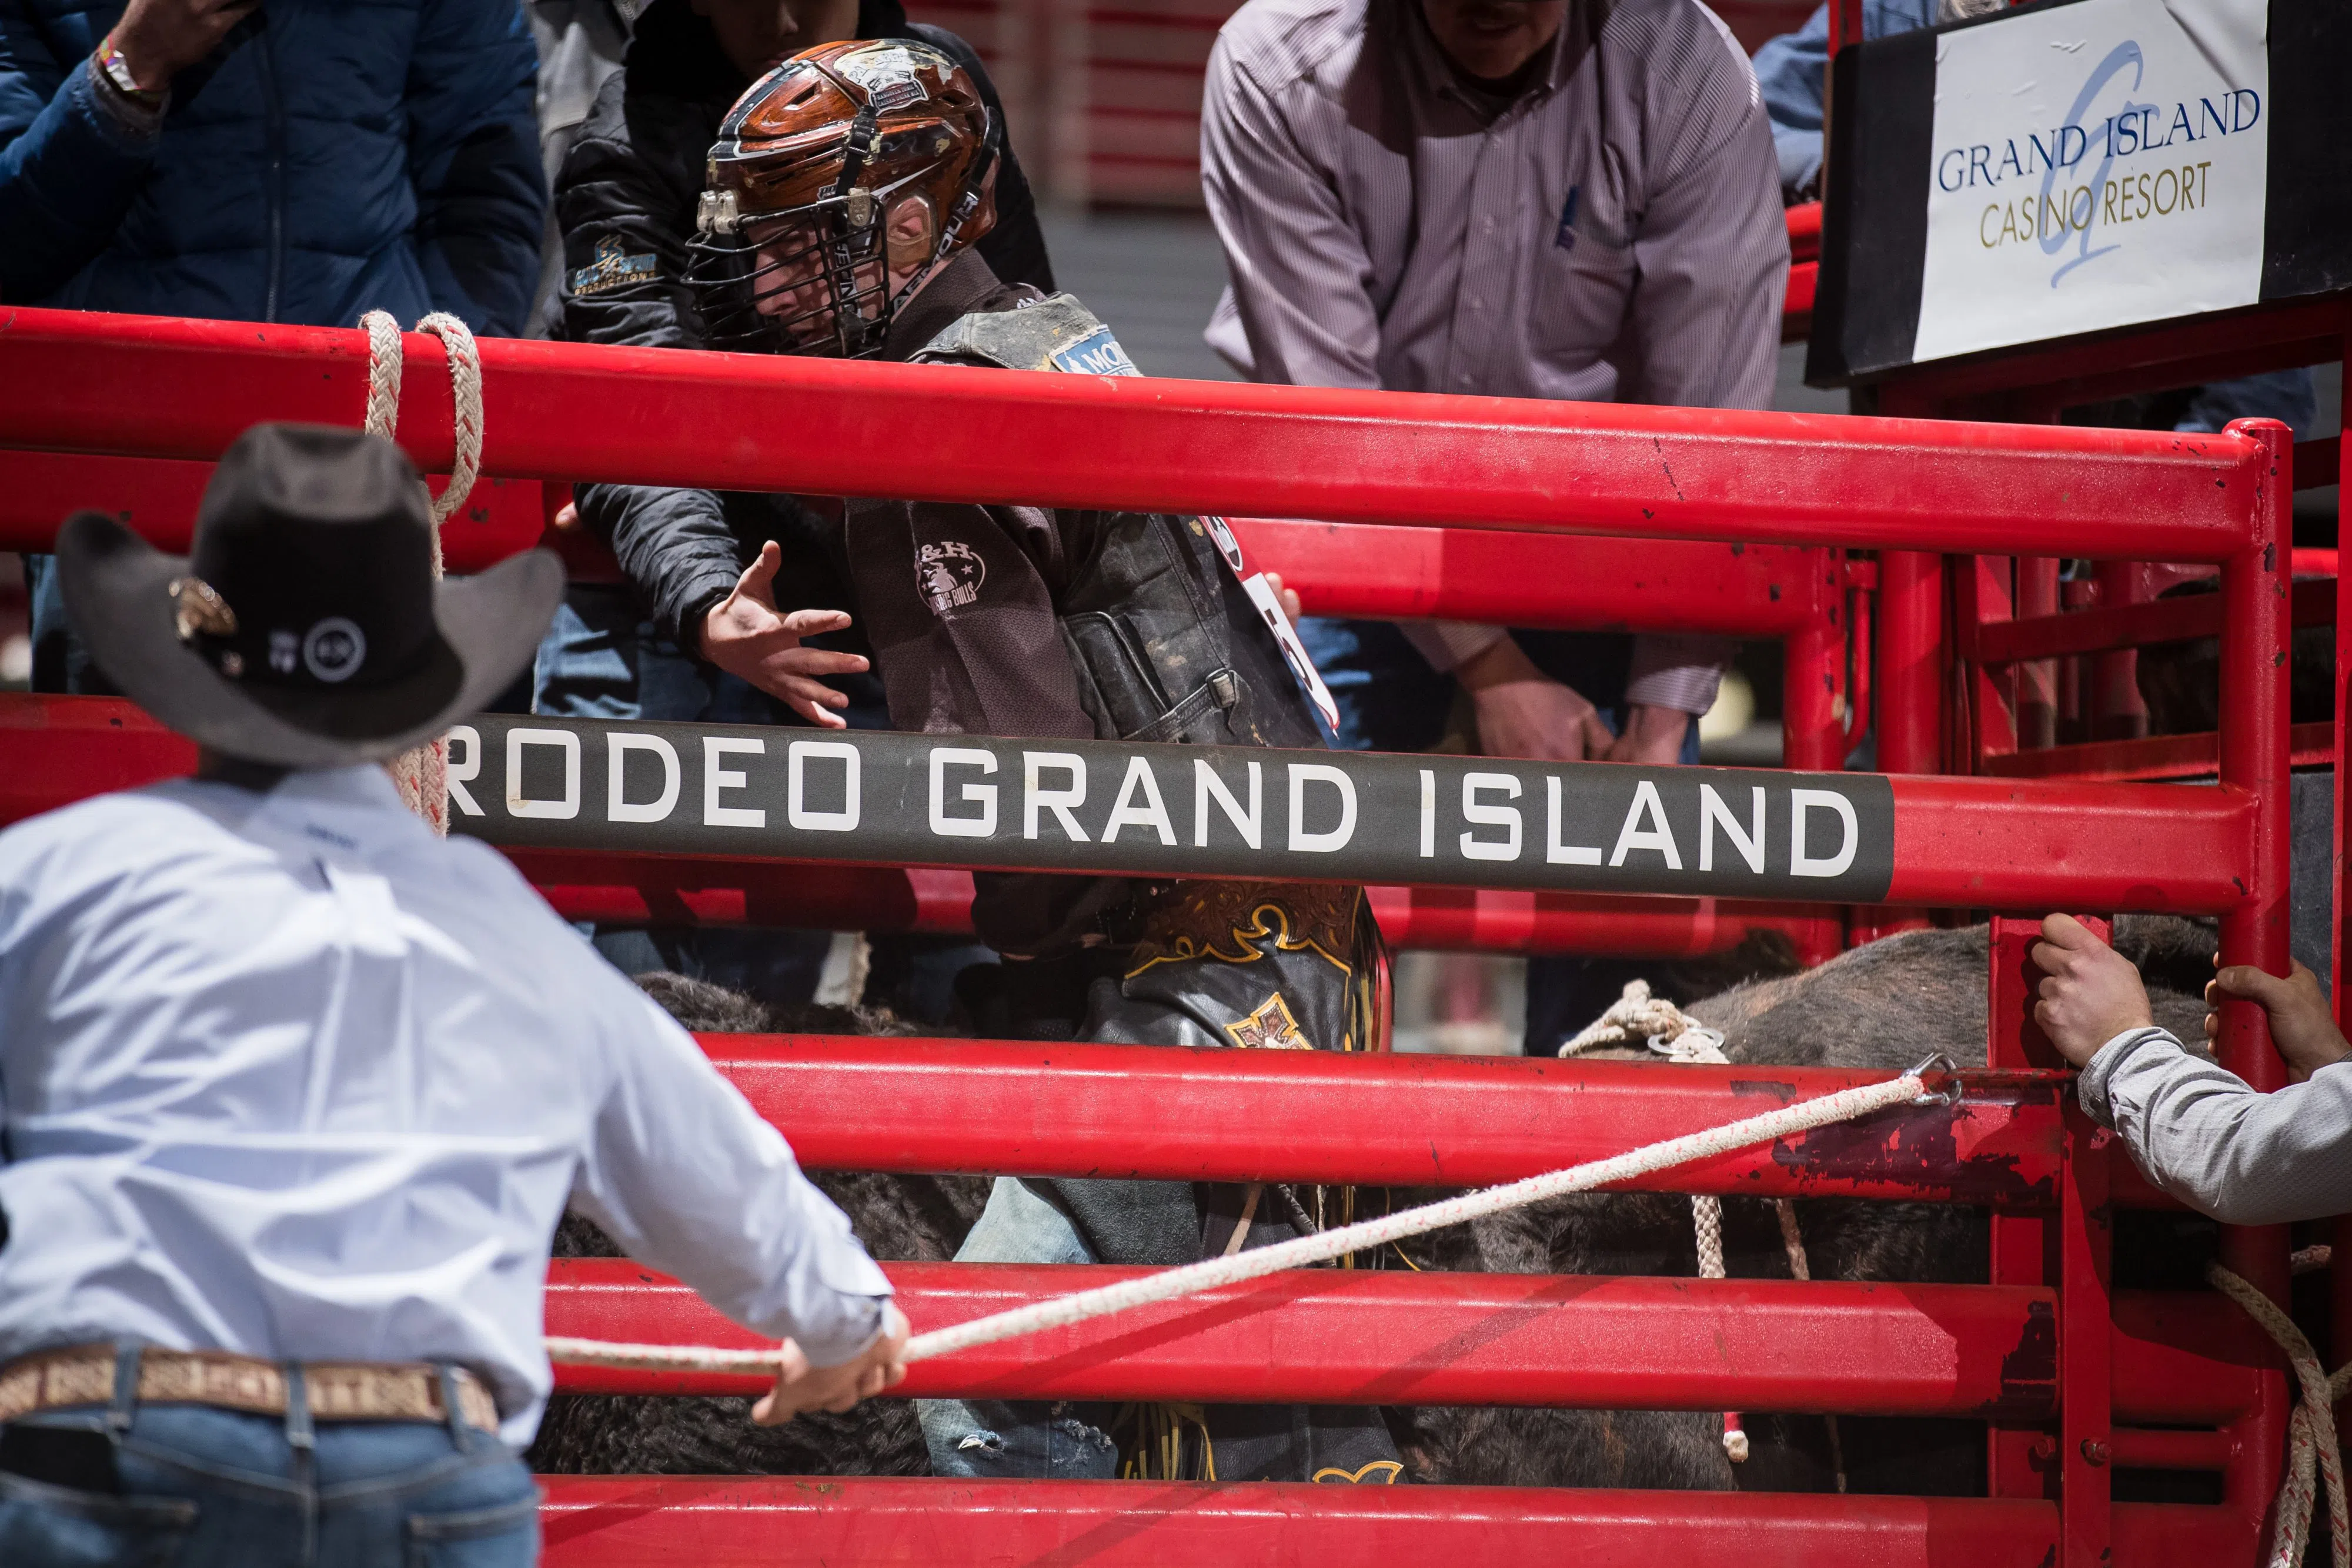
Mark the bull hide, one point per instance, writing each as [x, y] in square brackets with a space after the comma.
[895, 1217]
[1884, 1006]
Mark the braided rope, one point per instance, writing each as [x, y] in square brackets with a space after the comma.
[466, 416]
[385, 356]
[2311, 1439]
[1684, 1040]
[384, 364]
[1214, 1273]
[421, 772]
[1634, 1017]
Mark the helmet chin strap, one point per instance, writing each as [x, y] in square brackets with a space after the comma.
[841, 263]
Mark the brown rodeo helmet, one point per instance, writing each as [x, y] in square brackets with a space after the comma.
[789, 252]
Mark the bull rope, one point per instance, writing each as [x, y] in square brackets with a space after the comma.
[1674, 1034]
[2311, 1439]
[1192, 1278]
[421, 772]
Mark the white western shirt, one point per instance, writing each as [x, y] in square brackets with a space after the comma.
[286, 1075]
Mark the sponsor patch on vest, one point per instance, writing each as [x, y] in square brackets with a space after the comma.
[612, 269]
[948, 575]
[1096, 354]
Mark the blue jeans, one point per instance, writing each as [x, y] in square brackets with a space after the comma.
[996, 1438]
[1391, 700]
[60, 662]
[193, 1487]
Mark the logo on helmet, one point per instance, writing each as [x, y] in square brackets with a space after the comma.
[886, 72]
[948, 575]
[334, 649]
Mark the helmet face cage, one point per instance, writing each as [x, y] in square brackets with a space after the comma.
[828, 254]
[834, 265]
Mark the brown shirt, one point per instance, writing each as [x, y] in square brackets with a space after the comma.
[959, 599]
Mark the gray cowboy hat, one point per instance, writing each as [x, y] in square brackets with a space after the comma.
[305, 629]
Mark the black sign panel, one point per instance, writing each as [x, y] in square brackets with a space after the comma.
[1183, 810]
[2094, 189]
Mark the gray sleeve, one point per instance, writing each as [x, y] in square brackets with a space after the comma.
[687, 1177]
[1450, 644]
[1712, 259]
[2203, 1136]
[1300, 277]
[1676, 670]
[1711, 249]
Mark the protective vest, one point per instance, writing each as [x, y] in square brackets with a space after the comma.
[1161, 624]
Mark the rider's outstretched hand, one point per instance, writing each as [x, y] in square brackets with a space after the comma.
[745, 635]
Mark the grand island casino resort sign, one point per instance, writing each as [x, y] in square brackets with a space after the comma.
[2072, 167]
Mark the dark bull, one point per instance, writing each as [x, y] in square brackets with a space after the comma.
[1181, 811]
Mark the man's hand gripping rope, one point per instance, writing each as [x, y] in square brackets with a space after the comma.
[1846, 1104]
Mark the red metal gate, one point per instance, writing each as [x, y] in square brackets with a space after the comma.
[2047, 1353]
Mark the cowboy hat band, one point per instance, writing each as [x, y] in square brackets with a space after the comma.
[305, 629]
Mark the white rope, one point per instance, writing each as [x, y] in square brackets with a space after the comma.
[464, 414]
[1686, 1041]
[385, 358]
[421, 772]
[1217, 1272]
[384, 362]
[2311, 1439]
[1637, 1016]
[1694, 1042]
[1683, 1039]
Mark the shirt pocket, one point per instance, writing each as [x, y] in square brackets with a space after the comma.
[1582, 285]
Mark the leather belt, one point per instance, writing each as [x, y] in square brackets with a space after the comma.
[335, 1390]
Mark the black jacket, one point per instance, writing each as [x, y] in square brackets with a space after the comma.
[626, 204]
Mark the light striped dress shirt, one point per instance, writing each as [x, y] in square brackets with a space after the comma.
[2202, 1133]
[282, 1073]
[1612, 235]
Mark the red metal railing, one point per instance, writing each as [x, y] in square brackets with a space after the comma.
[155, 387]
[179, 390]
[1790, 593]
[1064, 1109]
[644, 1522]
[1331, 1336]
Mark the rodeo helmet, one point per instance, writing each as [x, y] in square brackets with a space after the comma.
[789, 254]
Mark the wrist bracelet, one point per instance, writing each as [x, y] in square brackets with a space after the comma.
[115, 71]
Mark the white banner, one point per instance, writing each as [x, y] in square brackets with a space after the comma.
[2095, 165]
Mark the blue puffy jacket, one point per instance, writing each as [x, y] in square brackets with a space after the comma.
[329, 157]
